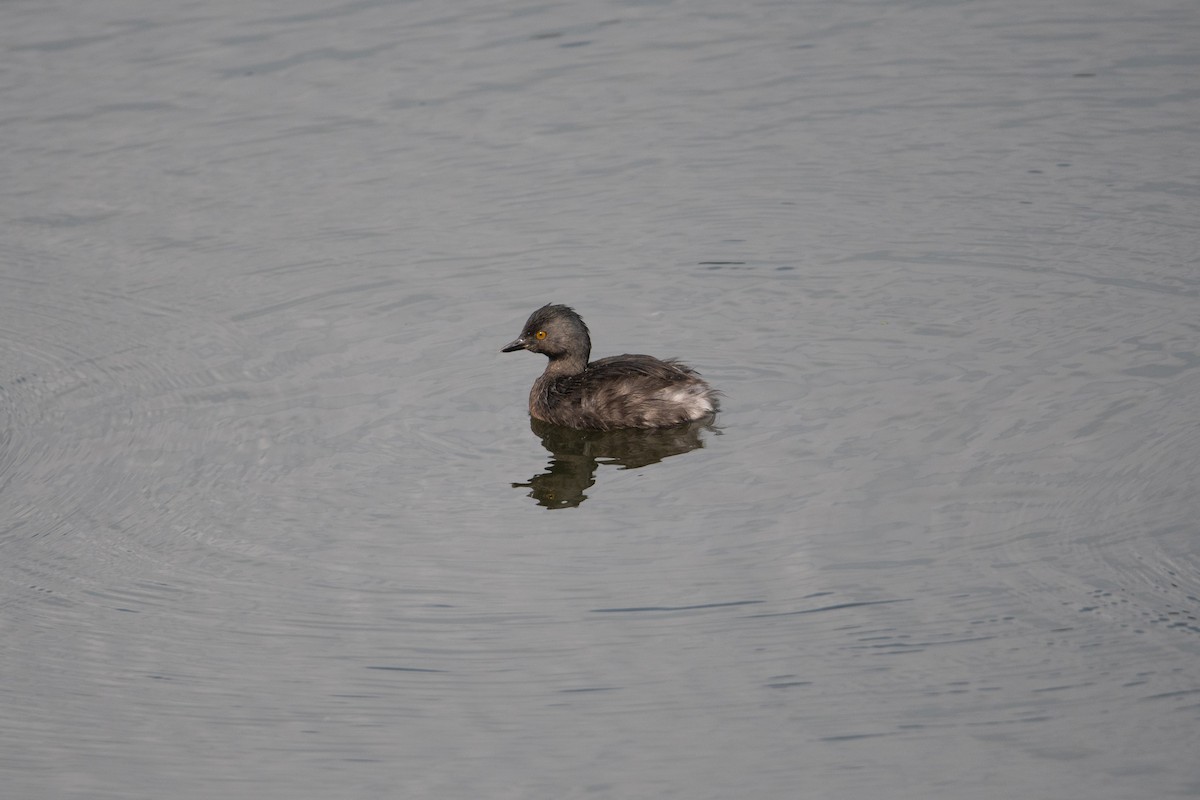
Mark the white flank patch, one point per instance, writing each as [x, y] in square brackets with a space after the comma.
[692, 398]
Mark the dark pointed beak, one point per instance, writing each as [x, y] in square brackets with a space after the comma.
[515, 344]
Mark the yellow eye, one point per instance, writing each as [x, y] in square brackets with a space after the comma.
[540, 335]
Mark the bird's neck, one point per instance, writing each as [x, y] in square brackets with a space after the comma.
[567, 364]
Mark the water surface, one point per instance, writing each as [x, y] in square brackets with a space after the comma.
[273, 519]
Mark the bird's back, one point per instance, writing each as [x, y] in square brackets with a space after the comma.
[625, 391]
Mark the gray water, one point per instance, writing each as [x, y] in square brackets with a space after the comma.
[273, 520]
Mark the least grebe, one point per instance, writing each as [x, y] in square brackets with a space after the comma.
[628, 391]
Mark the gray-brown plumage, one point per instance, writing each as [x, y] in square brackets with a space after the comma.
[626, 391]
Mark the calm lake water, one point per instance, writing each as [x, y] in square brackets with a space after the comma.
[274, 522]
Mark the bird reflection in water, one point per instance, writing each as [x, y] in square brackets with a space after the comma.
[576, 453]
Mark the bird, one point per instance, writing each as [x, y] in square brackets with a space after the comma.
[625, 391]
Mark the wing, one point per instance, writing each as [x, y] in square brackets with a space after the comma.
[629, 391]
